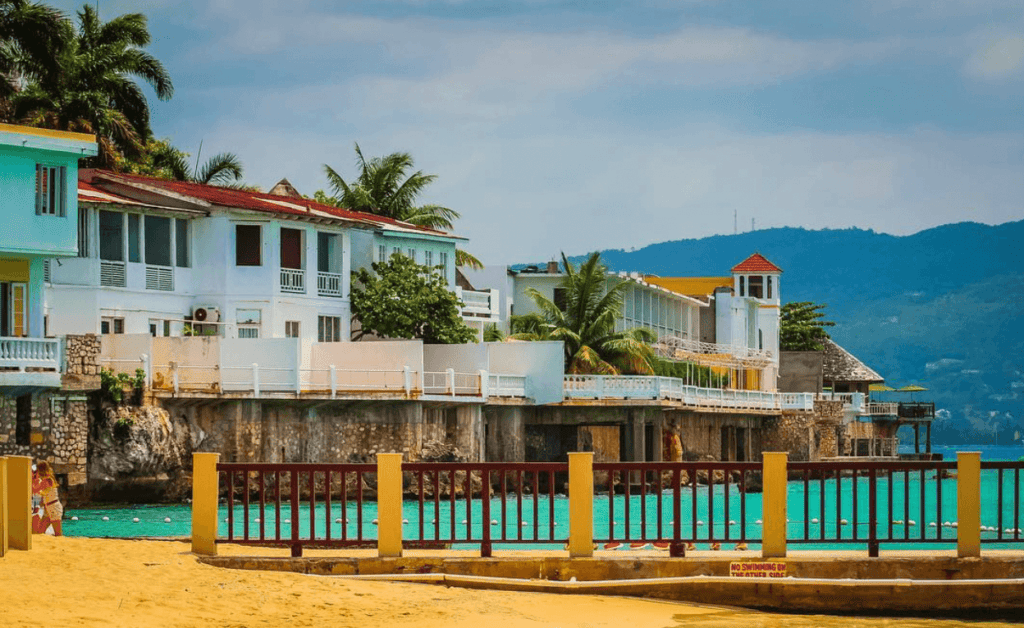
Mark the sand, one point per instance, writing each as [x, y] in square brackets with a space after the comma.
[99, 582]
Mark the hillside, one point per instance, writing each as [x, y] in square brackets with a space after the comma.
[941, 308]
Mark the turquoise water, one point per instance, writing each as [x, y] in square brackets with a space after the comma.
[151, 519]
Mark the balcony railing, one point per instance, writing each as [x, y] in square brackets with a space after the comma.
[293, 280]
[453, 384]
[882, 409]
[674, 347]
[917, 410]
[851, 401]
[478, 304]
[673, 389]
[329, 284]
[506, 385]
[41, 354]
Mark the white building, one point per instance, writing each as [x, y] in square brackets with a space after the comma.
[171, 258]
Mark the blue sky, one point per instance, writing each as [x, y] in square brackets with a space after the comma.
[595, 124]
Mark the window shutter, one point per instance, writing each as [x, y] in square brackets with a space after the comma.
[39, 188]
[62, 208]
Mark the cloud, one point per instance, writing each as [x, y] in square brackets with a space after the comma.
[997, 58]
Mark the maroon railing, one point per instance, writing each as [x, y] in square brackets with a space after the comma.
[520, 516]
[677, 487]
[1008, 526]
[291, 485]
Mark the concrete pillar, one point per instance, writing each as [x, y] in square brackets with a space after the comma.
[581, 504]
[205, 490]
[470, 431]
[774, 505]
[389, 505]
[968, 504]
[506, 433]
[637, 425]
[3, 507]
[659, 438]
[19, 502]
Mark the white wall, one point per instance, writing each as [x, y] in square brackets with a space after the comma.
[467, 358]
[278, 360]
[542, 362]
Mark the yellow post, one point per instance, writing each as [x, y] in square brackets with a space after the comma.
[389, 505]
[773, 505]
[581, 504]
[3, 506]
[968, 504]
[205, 491]
[19, 502]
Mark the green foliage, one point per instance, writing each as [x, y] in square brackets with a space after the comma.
[801, 327]
[694, 374]
[587, 325]
[402, 299]
[114, 384]
[493, 334]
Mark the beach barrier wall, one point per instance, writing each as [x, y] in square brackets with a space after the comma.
[19, 502]
[668, 504]
[3, 506]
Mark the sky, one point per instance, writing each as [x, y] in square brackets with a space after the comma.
[591, 124]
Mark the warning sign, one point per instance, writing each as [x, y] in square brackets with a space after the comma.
[757, 570]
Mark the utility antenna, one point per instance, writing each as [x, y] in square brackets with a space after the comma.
[199, 152]
[735, 225]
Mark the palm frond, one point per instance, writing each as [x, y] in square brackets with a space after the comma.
[221, 169]
[466, 260]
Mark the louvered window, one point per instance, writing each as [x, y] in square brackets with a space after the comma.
[51, 190]
[159, 278]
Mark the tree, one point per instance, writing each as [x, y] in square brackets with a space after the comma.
[587, 325]
[159, 158]
[801, 327]
[93, 87]
[385, 187]
[27, 33]
[402, 299]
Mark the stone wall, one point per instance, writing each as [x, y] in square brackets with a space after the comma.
[81, 362]
[58, 434]
[808, 435]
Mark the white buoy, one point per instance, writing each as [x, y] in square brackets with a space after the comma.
[526, 523]
[256, 520]
[74, 518]
[932, 525]
[731, 522]
[953, 524]
[1008, 531]
[463, 522]
[911, 522]
[758, 522]
[225, 519]
[405, 521]
[494, 522]
[106, 518]
[433, 521]
[374, 522]
[699, 522]
[844, 522]
[167, 519]
[814, 521]
[135, 520]
[287, 520]
[338, 520]
[945, 524]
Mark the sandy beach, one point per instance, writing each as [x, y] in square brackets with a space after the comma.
[98, 582]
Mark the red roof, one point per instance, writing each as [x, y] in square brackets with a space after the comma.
[241, 199]
[756, 263]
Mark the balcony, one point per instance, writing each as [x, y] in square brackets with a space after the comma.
[676, 348]
[293, 280]
[876, 410]
[916, 411]
[329, 284]
[630, 387]
[27, 364]
[479, 304]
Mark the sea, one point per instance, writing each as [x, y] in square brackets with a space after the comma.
[936, 524]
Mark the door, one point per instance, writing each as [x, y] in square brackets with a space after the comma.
[13, 309]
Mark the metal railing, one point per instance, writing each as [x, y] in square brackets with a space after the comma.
[454, 384]
[916, 410]
[41, 354]
[506, 385]
[881, 409]
[293, 280]
[329, 284]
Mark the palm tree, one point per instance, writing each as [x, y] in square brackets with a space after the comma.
[384, 187]
[161, 159]
[27, 33]
[587, 324]
[94, 87]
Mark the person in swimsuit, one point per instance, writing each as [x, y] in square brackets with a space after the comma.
[50, 511]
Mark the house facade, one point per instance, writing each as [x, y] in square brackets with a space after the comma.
[172, 259]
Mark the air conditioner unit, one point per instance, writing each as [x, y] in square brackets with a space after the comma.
[206, 314]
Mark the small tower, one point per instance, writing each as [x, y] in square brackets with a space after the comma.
[756, 277]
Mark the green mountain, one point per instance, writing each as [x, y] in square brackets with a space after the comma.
[941, 308]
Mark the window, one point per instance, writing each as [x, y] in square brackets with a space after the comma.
[412, 254]
[428, 258]
[560, 298]
[51, 190]
[248, 240]
[291, 248]
[248, 322]
[158, 240]
[111, 325]
[23, 427]
[159, 328]
[444, 262]
[742, 286]
[769, 288]
[83, 232]
[181, 242]
[327, 253]
[329, 329]
[112, 236]
[396, 250]
[382, 253]
[291, 329]
[134, 238]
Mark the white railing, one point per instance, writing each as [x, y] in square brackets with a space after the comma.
[506, 385]
[30, 353]
[328, 284]
[629, 387]
[851, 401]
[668, 346]
[882, 409]
[451, 383]
[478, 304]
[113, 275]
[293, 280]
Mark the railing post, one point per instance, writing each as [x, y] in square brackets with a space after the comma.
[19, 502]
[205, 491]
[334, 382]
[581, 504]
[484, 384]
[407, 378]
[255, 379]
[773, 504]
[298, 380]
[149, 372]
[600, 386]
[174, 376]
[450, 381]
[968, 504]
[3, 507]
[389, 505]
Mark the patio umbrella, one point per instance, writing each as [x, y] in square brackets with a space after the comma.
[880, 388]
[913, 388]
